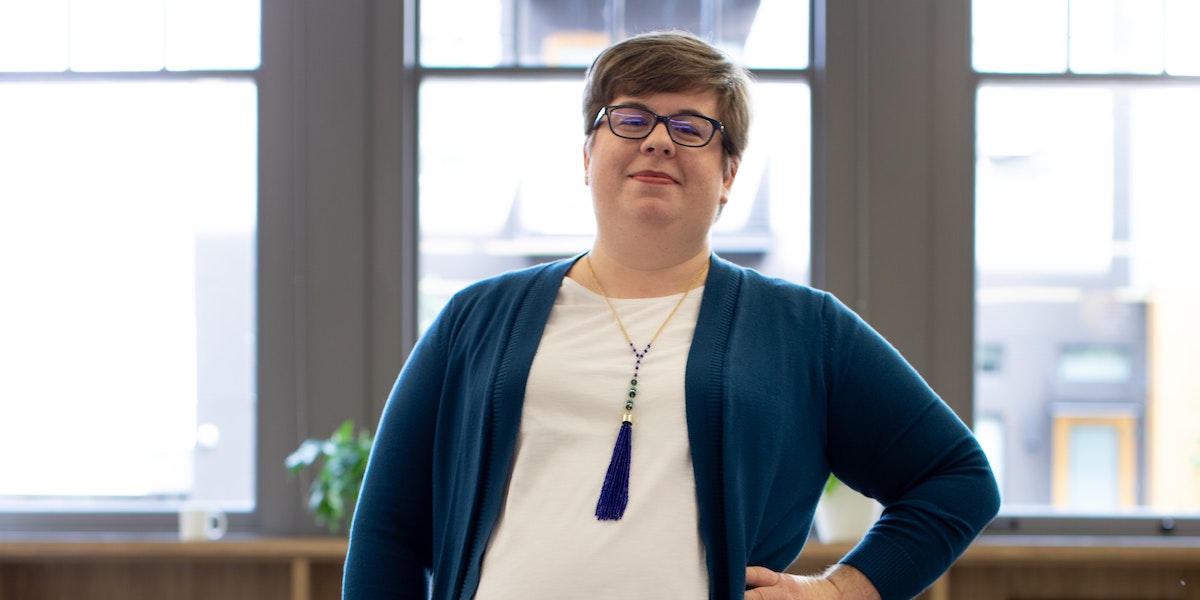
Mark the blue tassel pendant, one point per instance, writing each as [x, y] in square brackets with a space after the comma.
[614, 496]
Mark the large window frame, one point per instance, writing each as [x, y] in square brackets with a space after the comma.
[742, 235]
[148, 513]
[892, 211]
[1059, 518]
[337, 248]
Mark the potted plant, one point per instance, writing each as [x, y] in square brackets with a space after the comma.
[343, 461]
[844, 515]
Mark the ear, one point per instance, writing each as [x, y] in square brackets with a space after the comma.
[731, 169]
[587, 158]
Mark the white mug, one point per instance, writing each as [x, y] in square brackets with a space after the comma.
[202, 524]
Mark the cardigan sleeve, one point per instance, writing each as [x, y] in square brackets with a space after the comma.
[390, 551]
[891, 438]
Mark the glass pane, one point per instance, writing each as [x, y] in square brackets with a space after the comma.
[116, 35]
[990, 358]
[1086, 208]
[127, 248]
[1039, 151]
[128, 35]
[193, 25]
[990, 431]
[767, 223]
[1117, 36]
[1019, 36]
[1093, 470]
[777, 36]
[33, 35]
[1094, 364]
[1183, 45]
[561, 33]
[468, 33]
[481, 216]
[640, 17]
[759, 33]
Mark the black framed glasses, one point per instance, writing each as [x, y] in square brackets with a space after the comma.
[635, 123]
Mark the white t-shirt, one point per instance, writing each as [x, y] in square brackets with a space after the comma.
[547, 542]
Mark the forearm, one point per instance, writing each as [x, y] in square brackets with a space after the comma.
[851, 583]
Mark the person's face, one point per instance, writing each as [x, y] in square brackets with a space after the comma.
[654, 181]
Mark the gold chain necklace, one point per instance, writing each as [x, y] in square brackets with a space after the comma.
[614, 494]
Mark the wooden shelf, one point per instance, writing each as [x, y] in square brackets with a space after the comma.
[251, 568]
[143, 568]
[127, 547]
[1056, 568]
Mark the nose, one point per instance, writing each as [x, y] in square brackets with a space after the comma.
[659, 140]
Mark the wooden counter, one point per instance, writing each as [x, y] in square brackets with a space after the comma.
[104, 567]
[996, 568]
[1057, 568]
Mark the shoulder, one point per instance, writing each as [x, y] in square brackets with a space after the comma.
[498, 301]
[751, 287]
[751, 303]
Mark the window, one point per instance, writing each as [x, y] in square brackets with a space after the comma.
[991, 358]
[1095, 459]
[528, 203]
[1086, 134]
[1095, 364]
[127, 251]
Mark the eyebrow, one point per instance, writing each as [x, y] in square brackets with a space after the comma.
[686, 111]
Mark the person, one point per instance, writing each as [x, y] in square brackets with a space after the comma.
[646, 419]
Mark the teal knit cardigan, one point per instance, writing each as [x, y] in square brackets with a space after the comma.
[784, 384]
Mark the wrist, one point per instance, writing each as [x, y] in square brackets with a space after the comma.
[851, 583]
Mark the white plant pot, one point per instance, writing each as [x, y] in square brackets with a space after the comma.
[844, 515]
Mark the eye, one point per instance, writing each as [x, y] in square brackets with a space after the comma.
[690, 127]
[630, 119]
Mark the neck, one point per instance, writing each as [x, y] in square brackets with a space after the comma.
[640, 278]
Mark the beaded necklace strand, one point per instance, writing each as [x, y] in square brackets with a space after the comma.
[614, 494]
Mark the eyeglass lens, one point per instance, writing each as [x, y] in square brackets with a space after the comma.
[636, 123]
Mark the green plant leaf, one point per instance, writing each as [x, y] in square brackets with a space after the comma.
[343, 459]
[304, 456]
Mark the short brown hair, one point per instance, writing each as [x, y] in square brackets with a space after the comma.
[671, 61]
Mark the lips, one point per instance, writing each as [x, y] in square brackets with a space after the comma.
[654, 178]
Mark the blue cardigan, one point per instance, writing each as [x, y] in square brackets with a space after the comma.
[784, 384]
